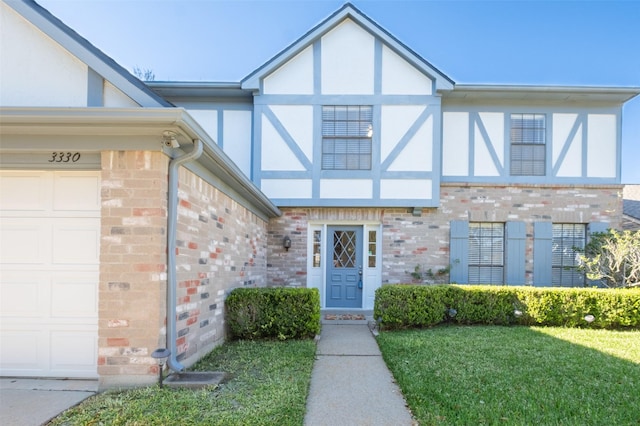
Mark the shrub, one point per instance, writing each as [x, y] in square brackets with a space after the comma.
[475, 305]
[405, 306]
[273, 313]
[613, 258]
[400, 306]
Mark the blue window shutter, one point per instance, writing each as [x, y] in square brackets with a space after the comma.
[542, 253]
[459, 251]
[514, 255]
[593, 228]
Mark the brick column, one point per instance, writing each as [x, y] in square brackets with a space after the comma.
[133, 266]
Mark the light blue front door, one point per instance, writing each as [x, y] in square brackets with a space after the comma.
[344, 269]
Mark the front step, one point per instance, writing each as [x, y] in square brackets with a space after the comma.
[345, 317]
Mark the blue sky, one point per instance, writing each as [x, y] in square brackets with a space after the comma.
[584, 43]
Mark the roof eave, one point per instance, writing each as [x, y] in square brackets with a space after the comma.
[611, 93]
[138, 121]
[199, 89]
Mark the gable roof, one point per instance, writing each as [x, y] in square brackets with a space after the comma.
[87, 52]
[347, 11]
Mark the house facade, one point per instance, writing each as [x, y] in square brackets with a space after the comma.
[129, 210]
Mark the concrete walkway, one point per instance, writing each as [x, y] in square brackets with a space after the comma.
[350, 383]
[32, 402]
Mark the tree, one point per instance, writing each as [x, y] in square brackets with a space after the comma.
[613, 258]
[146, 74]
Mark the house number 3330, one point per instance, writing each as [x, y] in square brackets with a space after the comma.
[64, 157]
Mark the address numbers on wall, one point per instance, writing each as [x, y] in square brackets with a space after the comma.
[64, 157]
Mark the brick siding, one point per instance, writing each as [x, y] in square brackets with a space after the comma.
[409, 241]
[132, 259]
[221, 245]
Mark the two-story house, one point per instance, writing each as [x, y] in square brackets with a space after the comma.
[129, 210]
[381, 164]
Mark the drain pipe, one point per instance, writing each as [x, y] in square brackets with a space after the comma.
[172, 220]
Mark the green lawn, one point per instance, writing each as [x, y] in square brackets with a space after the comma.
[449, 375]
[488, 375]
[269, 386]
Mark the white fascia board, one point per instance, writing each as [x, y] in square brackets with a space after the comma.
[137, 122]
[611, 94]
[23, 120]
[87, 53]
[252, 81]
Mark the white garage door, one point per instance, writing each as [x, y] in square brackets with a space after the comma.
[49, 260]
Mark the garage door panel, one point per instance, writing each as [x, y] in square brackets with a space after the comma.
[73, 354]
[24, 241]
[76, 241]
[74, 297]
[21, 296]
[49, 273]
[74, 192]
[26, 191]
[23, 351]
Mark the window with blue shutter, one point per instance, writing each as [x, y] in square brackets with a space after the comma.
[486, 253]
[567, 241]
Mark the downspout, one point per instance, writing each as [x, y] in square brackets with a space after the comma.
[172, 220]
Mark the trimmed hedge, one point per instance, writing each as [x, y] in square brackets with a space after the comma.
[273, 313]
[407, 306]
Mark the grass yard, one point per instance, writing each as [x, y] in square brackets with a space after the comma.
[488, 375]
[269, 387]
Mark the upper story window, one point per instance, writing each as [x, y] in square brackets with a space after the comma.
[346, 137]
[528, 144]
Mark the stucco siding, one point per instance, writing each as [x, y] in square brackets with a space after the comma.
[581, 143]
[44, 74]
[347, 60]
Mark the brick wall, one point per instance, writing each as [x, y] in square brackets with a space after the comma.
[424, 241]
[409, 241]
[288, 268]
[133, 262]
[221, 245]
